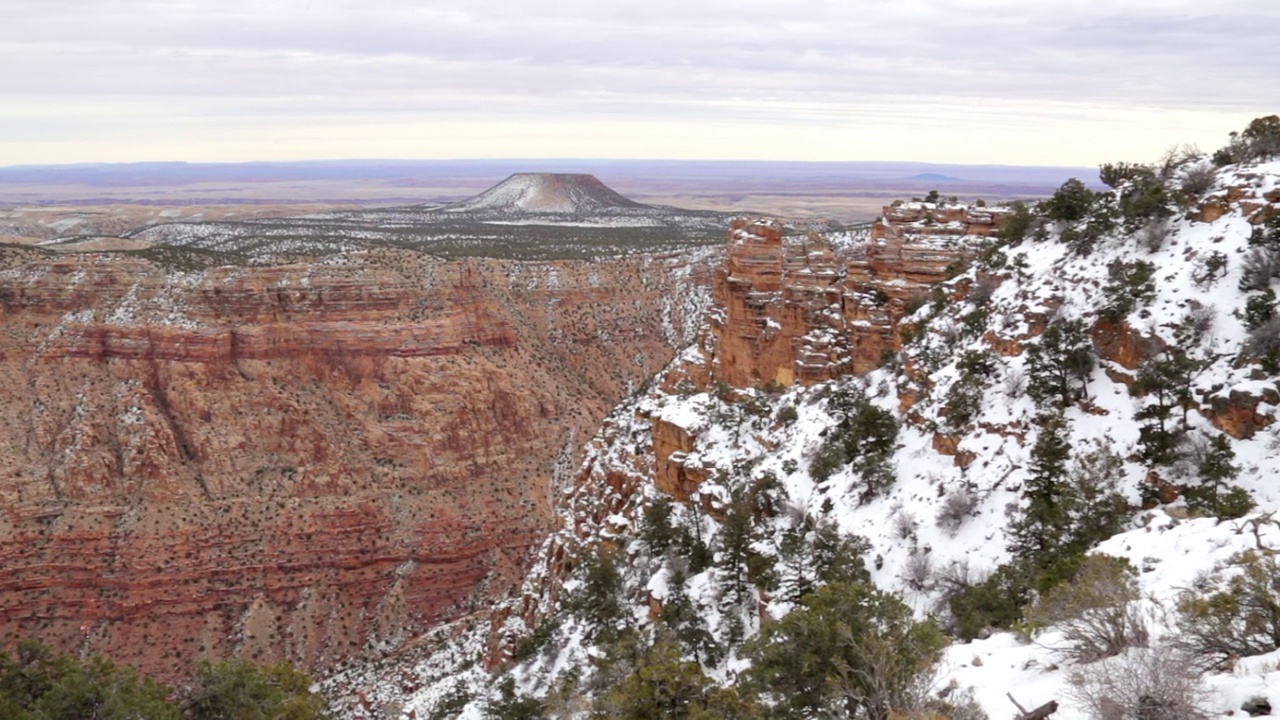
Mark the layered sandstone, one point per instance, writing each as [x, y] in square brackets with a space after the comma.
[309, 462]
[787, 312]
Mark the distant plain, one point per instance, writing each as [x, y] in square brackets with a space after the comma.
[39, 203]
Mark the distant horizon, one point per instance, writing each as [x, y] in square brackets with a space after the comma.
[555, 159]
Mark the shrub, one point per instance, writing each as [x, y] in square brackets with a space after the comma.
[1263, 343]
[963, 401]
[1233, 611]
[1072, 202]
[1130, 283]
[961, 705]
[511, 705]
[662, 684]
[1262, 137]
[996, 601]
[1154, 684]
[1198, 178]
[535, 642]
[957, 507]
[1267, 234]
[1016, 224]
[239, 689]
[1259, 267]
[850, 651]
[918, 572]
[40, 684]
[1113, 175]
[1259, 141]
[1154, 234]
[1095, 611]
[787, 414]
[1210, 267]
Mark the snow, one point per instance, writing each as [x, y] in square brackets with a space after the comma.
[902, 527]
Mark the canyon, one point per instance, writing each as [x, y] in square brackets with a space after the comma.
[311, 462]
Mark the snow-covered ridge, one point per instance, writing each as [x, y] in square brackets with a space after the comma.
[957, 482]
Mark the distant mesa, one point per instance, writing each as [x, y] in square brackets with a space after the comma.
[936, 177]
[546, 193]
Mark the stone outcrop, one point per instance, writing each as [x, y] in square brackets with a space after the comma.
[675, 472]
[1241, 411]
[795, 311]
[309, 462]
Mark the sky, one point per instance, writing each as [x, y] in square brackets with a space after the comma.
[1020, 82]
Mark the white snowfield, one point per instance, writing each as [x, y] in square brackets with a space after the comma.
[1168, 549]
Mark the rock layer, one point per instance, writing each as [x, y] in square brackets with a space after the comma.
[796, 312]
[309, 462]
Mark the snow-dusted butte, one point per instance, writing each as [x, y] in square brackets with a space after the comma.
[1099, 378]
[533, 216]
[560, 193]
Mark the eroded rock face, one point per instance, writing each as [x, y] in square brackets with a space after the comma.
[309, 462]
[1243, 410]
[795, 312]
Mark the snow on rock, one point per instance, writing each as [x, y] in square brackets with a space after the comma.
[732, 441]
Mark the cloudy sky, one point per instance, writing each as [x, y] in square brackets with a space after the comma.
[960, 81]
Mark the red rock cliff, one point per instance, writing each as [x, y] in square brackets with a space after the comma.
[307, 462]
[789, 312]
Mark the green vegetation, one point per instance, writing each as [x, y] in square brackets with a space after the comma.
[1095, 611]
[1260, 140]
[241, 690]
[849, 651]
[1071, 203]
[1233, 612]
[37, 683]
[1130, 284]
[1166, 380]
[864, 438]
[1061, 358]
[1072, 502]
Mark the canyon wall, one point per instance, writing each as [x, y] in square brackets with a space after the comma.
[801, 312]
[310, 462]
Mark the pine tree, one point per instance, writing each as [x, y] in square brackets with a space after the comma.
[1216, 468]
[1168, 381]
[1037, 533]
[1063, 355]
[851, 651]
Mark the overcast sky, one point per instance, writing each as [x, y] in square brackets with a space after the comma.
[967, 81]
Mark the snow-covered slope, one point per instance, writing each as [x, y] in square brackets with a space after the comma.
[961, 466]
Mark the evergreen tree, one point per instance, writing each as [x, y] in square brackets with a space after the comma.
[1062, 357]
[1071, 202]
[655, 526]
[1167, 380]
[511, 705]
[1037, 533]
[851, 651]
[1216, 468]
[241, 690]
[737, 533]
[864, 438]
[599, 599]
[1128, 285]
[663, 686]
[41, 684]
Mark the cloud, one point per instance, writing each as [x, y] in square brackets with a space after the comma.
[779, 62]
